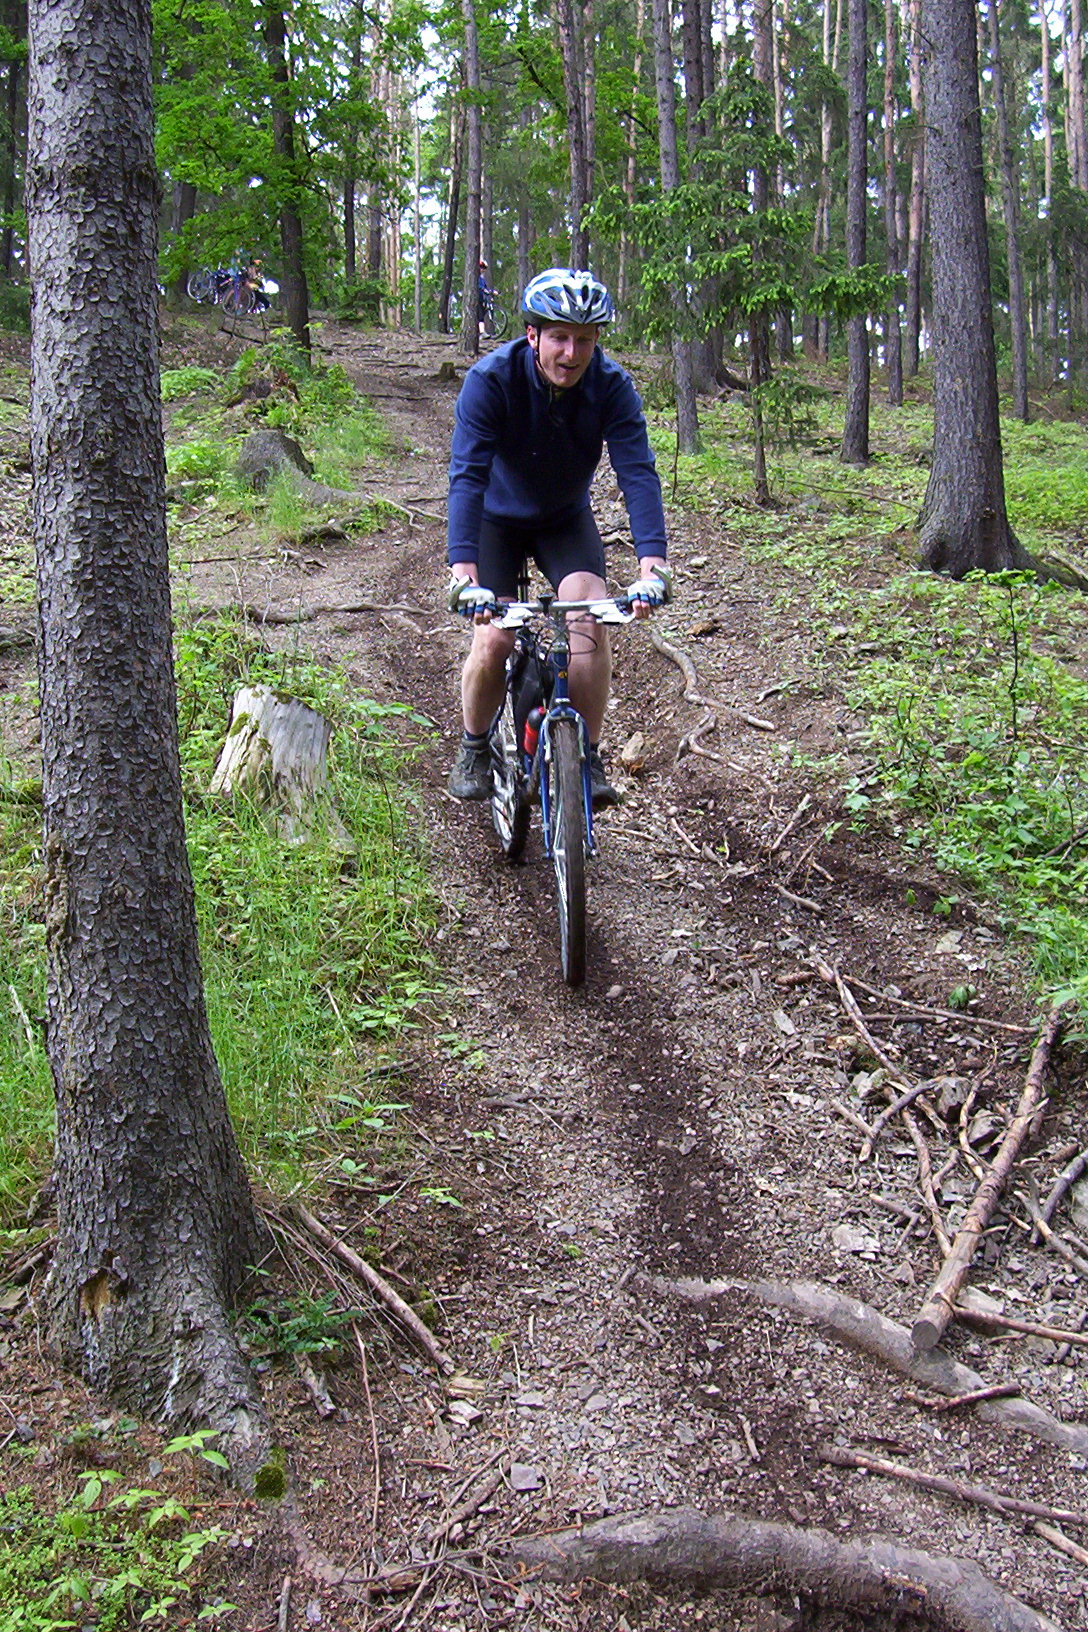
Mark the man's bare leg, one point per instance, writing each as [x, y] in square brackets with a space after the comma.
[590, 653]
[483, 676]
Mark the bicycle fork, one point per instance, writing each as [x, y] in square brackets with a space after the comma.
[564, 711]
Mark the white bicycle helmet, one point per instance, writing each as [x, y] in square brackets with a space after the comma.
[562, 295]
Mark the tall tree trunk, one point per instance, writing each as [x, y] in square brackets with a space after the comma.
[417, 235]
[457, 143]
[893, 348]
[570, 44]
[1010, 197]
[687, 413]
[155, 1221]
[631, 167]
[759, 340]
[1054, 362]
[916, 208]
[855, 437]
[821, 232]
[1077, 149]
[470, 297]
[351, 156]
[964, 524]
[182, 209]
[296, 295]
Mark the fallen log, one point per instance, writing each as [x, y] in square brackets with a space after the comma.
[865, 1328]
[276, 751]
[873, 1576]
[940, 1303]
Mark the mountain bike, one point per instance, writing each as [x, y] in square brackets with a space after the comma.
[208, 284]
[540, 751]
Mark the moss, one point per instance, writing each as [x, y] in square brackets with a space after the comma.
[270, 1483]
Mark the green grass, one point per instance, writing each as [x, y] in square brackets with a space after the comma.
[314, 962]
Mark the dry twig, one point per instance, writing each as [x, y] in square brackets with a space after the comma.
[996, 1501]
[940, 1302]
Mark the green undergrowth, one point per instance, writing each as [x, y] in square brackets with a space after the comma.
[113, 1551]
[314, 959]
[275, 387]
[972, 696]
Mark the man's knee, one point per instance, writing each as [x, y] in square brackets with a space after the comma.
[490, 647]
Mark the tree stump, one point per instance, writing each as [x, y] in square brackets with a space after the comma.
[276, 751]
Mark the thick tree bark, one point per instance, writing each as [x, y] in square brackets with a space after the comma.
[296, 295]
[1010, 198]
[687, 413]
[964, 524]
[855, 436]
[155, 1223]
[457, 131]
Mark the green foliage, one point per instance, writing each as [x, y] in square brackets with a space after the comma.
[188, 381]
[198, 460]
[981, 731]
[115, 1554]
[15, 297]
[299, 1325]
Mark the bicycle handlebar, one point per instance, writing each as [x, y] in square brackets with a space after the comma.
[612, 609]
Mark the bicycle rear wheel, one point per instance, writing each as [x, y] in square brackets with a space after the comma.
[568, 823]
[199, 286]
[509, 804]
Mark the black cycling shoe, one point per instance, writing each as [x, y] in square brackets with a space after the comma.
[602, 795]
[471, 774]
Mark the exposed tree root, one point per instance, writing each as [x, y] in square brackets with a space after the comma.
[865, 1328]
[875, 1576]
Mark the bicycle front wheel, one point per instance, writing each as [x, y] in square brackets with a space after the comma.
[568, 823]
[500, 321]
[509, 804]
[238, 301]
[199, 286]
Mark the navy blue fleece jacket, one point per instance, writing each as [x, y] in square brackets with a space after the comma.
[524, 453]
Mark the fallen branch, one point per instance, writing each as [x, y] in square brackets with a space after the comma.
[1025, 1328]
[939, 1306]
[925, 1183]
[997, 1501]
[997, 1391]
[901, 1104]
[392, 1300]
[855, 1016]
[1063, 1543]
[691, 684]
[941, 1014]
[865, 1328]
[1065, 1181]
[873, 1576]
[305, 614]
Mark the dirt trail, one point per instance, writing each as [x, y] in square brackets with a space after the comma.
[676, 1118]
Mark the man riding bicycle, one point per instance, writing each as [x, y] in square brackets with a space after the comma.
[531, 424]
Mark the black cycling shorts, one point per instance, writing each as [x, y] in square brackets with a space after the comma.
[571, 546]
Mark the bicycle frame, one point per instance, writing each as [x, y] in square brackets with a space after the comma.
[558, 706]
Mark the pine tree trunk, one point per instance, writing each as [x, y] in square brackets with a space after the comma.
[1010, 196]
[155, 1222]
[963, 525]
[457, 126]
[917, 205]
[855, 438]
[470, 296]
[687, 413]
[296, 295]
[570, 44]
[1053, 334]
[893, 347]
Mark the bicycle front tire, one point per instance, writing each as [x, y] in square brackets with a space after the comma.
[500, 322]
[568, 825]
[199, 286]
[509, 804]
